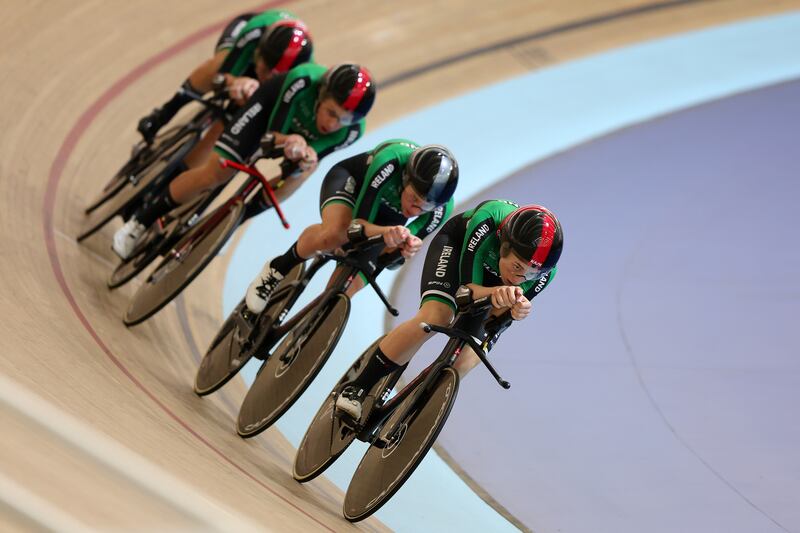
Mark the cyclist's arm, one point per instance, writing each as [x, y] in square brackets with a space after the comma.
[202, 78]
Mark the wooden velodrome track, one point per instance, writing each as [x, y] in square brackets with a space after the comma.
[76, 77]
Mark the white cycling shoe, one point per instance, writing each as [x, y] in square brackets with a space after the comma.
[261, 288]
[127, 238]
[350, 401]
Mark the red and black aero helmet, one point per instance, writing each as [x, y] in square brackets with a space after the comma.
[535, 235]
[352, 87]
[285, 45]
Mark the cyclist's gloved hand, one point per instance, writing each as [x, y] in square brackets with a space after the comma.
[506, 296]
[395, 236]
[521, 309]
[411, 246]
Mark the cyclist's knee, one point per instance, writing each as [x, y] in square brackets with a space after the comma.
[437, 313]
[332, 237]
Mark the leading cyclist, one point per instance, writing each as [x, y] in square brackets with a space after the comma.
[497, 249]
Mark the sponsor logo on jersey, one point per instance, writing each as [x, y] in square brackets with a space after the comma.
[384, 173]
[476, 238]
[350, 185]
[444, 260]
[438, 213]
[245, 119]
[293, 88]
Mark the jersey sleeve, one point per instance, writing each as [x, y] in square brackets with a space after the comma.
[328, 144]
[240, 55]
[380, 174]
[291, 90]
[477, 243]
[428, 223]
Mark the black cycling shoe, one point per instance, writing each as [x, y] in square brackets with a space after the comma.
[149, 125]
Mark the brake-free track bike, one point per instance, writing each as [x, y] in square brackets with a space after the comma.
[151, 166]
[189, 243]
[401, 429]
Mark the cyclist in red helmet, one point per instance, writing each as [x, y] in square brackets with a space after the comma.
[311, 111]
[497, 249]
[251, 49]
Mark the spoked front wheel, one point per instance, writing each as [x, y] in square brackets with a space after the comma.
[383, 470]
[289, 370]
[184, 262]
[228, 352]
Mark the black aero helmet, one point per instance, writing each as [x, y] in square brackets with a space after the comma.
[285, 45]
[535, 235]
[433, 172]
[352, 87]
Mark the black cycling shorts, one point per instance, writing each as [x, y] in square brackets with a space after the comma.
[441, 272]
[342, 184]
[232, 32]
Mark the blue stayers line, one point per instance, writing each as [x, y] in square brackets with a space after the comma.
[495, 131]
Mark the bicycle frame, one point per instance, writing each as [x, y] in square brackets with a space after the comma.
[257, 178]
[344, 278]
[470, 320]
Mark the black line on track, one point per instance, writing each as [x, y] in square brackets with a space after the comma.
[548, 32]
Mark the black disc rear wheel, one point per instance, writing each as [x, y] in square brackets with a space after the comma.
[226, 355]
[289, 370]
[191, 255]
[383, 471]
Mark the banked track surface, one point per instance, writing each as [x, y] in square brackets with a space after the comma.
[61, 138]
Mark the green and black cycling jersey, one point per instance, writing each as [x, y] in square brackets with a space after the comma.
[241, 56]
[467, 250]
[372, 183]
[287, 104]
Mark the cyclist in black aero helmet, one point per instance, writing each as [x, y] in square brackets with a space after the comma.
[373, 193]
[497, 249]
[311, 111]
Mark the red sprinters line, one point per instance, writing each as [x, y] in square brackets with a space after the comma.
[48, 207]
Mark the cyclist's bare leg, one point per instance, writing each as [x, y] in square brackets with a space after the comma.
[189, 184]
[203, 150]
[328, 235]
[202, 77]
[466, 361]
[293, 182]
[402, 342]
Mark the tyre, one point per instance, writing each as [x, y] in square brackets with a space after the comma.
[131, 193]
[175, 272]
[327, 437]
[383, 471]
[226, 355]
[292, 366]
